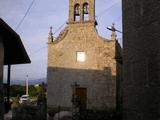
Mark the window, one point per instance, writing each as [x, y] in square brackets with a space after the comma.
[77, 12]
[85, 12]
[81, 56]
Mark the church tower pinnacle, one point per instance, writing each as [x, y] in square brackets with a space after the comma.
[50, 36]
[113, 35]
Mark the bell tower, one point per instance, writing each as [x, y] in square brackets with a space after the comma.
[81, 11]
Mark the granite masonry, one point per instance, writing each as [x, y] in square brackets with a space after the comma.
[141, 79]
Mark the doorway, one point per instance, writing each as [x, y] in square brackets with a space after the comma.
[81, 93]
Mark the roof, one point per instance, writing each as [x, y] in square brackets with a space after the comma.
[14, 51]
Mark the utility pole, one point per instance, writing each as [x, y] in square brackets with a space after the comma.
[26, 84]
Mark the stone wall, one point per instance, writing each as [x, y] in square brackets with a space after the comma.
[1, 78]
[141, 93]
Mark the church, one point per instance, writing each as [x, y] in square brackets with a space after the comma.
[81, 63]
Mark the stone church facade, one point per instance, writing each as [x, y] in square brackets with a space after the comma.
[82, 63]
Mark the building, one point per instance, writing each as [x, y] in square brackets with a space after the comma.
[81, 63]
[141, 60]
[12, 52]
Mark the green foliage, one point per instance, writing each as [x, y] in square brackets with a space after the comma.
[17, 90]
[34, 91]
[20, 90]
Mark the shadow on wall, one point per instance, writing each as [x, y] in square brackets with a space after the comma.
[100, 87]
[101, 96]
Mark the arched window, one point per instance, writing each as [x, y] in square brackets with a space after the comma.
[77, 12]
[85, 12]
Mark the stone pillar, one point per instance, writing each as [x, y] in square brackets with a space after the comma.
[71, 11]
[92, 10]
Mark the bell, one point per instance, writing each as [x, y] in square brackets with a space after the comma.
[85, 11]
[77, 12]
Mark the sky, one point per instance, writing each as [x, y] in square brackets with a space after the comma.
[35, 28]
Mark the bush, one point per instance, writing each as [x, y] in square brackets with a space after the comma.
[21, 90]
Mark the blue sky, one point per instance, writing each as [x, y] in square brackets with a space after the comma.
[35, 27]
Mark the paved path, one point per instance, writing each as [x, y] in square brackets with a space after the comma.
[63, 115]
[8, 116]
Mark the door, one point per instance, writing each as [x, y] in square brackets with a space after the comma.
[81, 93]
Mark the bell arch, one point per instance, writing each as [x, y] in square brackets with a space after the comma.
[77, 12]
[85, 12]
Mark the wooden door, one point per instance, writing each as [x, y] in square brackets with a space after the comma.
[81, 93]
